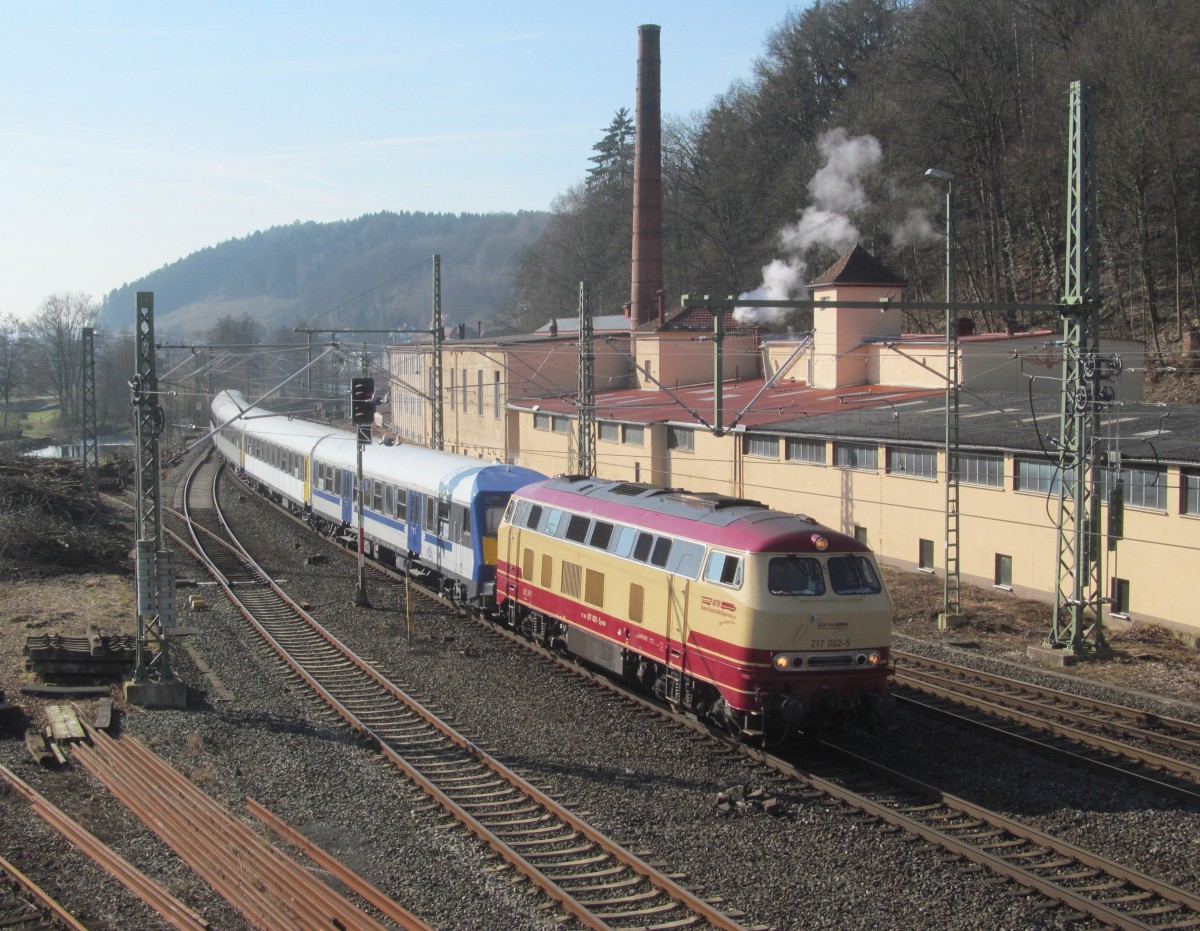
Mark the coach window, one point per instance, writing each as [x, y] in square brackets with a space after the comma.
[662, 551]
[389, 499]
[461, 525]
[577, 528]
[795, 575]
[377, 496]
[724, 568]
[401, 512]
[601, 534]
[625, 541]
[641, 549]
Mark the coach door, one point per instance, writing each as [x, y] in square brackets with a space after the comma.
[415, 513]
[347, 497]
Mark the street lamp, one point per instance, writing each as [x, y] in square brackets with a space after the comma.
[951, 604]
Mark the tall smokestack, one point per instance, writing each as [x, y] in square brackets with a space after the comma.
[647, 181]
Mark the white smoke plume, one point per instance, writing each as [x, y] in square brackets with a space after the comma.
[836, 189]
[914, 228]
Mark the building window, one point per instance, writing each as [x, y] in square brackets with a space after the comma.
[608, 432]
[541, 421]
[863, 456]
[860, 534]
[1144, 488]
[925, 555]
[561, 424]
[912, 461]
[1003, 574]
[757, 444]
[634, 436]
[1189, 493]
[464, 391]
[479, 392]
[798, 450]
[981, 469]
[496, 394]
[1038, 475]
[681, 438]
[1120, 597]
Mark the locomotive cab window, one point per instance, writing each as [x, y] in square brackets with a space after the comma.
[853, 575]
[795, 575]
[724, 568]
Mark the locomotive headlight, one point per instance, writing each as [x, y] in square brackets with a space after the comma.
[782, 661]
[873, 658]
[820, 542]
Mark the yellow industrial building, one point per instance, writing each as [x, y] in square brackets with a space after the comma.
[846, 424]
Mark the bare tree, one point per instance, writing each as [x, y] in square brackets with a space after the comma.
[10, 360]
[56, 334]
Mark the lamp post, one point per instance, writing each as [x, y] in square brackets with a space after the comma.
[951, 603]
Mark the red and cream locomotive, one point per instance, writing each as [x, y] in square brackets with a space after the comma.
[760, 621]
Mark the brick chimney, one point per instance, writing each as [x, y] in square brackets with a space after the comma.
[647, 278]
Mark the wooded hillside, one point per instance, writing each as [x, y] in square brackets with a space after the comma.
[375, 270]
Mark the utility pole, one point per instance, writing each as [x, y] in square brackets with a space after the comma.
[1077, 627]
[951, 615]
[362, 415]
[153, 683]
[91, 441]
[437, 427]
[718, 372]
[585, 448]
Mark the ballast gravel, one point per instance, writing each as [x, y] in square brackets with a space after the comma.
[639, 780]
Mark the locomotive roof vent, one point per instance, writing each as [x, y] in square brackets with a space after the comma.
[629, 488]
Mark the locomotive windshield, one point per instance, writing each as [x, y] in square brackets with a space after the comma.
[795, 575]
[853, 575]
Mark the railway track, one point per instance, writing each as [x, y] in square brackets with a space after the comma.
[1091, 886]
[592, 878]
[25, 906]
[1159, 752]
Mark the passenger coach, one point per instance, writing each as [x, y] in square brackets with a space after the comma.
[423, 509]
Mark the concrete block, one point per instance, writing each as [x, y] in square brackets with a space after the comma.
[171, 694]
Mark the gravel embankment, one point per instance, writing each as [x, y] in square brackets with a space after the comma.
[642, 783]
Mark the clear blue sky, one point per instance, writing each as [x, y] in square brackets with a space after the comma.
[135, 133]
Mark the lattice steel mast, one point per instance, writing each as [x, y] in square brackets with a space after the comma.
[585, 449]
[91, 440]
[155, 572]
[1079, 601]
[437, 427]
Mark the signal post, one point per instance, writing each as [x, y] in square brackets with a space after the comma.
[362, 415]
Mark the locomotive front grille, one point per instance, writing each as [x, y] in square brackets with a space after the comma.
[829, 659]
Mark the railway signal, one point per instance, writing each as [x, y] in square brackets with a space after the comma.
[362, 400]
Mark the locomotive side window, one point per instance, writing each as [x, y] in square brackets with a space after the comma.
[535, 515]
[662, 550]
[552, 520]
[724, 568]
[593, 588]
[641, 549]
[636, 598]
[685, 558]
[547, 570]
[795, 575]
[601, 534]
[572, 573]
[527, 565]
[625, 541]
[853, 575]
[577, 528]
